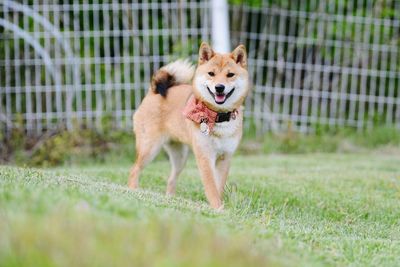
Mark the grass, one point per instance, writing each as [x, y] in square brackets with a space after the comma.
[280, 210]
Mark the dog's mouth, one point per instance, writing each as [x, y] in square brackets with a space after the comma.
[220, 98]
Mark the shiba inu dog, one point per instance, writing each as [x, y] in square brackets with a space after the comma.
[205, 115]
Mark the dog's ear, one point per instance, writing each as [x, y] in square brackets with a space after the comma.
[205, 53]
[239, 55]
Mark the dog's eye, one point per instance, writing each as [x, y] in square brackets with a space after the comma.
[230, 75]
[211, 73]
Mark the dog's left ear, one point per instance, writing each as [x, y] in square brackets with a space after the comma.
[239, 55]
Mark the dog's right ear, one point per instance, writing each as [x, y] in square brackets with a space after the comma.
[205, 53]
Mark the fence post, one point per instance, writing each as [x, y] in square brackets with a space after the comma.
[220, 26]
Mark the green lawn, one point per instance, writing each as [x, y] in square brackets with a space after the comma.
[290, 210]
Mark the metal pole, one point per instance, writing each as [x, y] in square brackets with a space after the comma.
[220, 26]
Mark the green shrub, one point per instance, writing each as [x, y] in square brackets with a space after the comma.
[379, 136]
[84, 145]
[55, 148]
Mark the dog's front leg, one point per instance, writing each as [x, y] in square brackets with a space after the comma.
[205, 158]
[222, 166]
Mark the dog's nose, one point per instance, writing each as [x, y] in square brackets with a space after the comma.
[219, 88]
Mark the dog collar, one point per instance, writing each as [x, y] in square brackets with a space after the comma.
[196, 111]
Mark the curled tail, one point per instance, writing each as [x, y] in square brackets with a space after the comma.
[177, 72]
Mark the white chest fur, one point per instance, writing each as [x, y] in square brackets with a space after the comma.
[226, 136]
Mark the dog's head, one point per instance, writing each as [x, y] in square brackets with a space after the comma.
[221, 80]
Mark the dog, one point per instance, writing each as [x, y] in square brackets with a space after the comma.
[199, 108]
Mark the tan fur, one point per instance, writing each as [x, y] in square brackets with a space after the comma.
[159, 122]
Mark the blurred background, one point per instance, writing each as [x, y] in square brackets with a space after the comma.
[316, 66]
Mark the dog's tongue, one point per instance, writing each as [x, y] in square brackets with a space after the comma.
[220, 98]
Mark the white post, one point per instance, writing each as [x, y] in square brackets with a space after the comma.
[220, 26]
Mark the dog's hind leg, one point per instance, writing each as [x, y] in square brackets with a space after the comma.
[146, 149]
[177, 153]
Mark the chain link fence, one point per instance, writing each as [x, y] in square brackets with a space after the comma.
[332, 63]
[311, 62]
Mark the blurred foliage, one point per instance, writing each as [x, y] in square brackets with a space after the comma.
[60, 147]
[343, 140]
[84, 145]
[323, 140]
[384, 9]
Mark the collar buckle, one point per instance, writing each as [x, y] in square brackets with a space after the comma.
[226, 116]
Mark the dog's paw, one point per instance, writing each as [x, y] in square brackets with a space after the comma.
[170, 194]
[220, 209]
[133, 186]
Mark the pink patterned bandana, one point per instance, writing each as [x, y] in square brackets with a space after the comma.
[198, 112]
